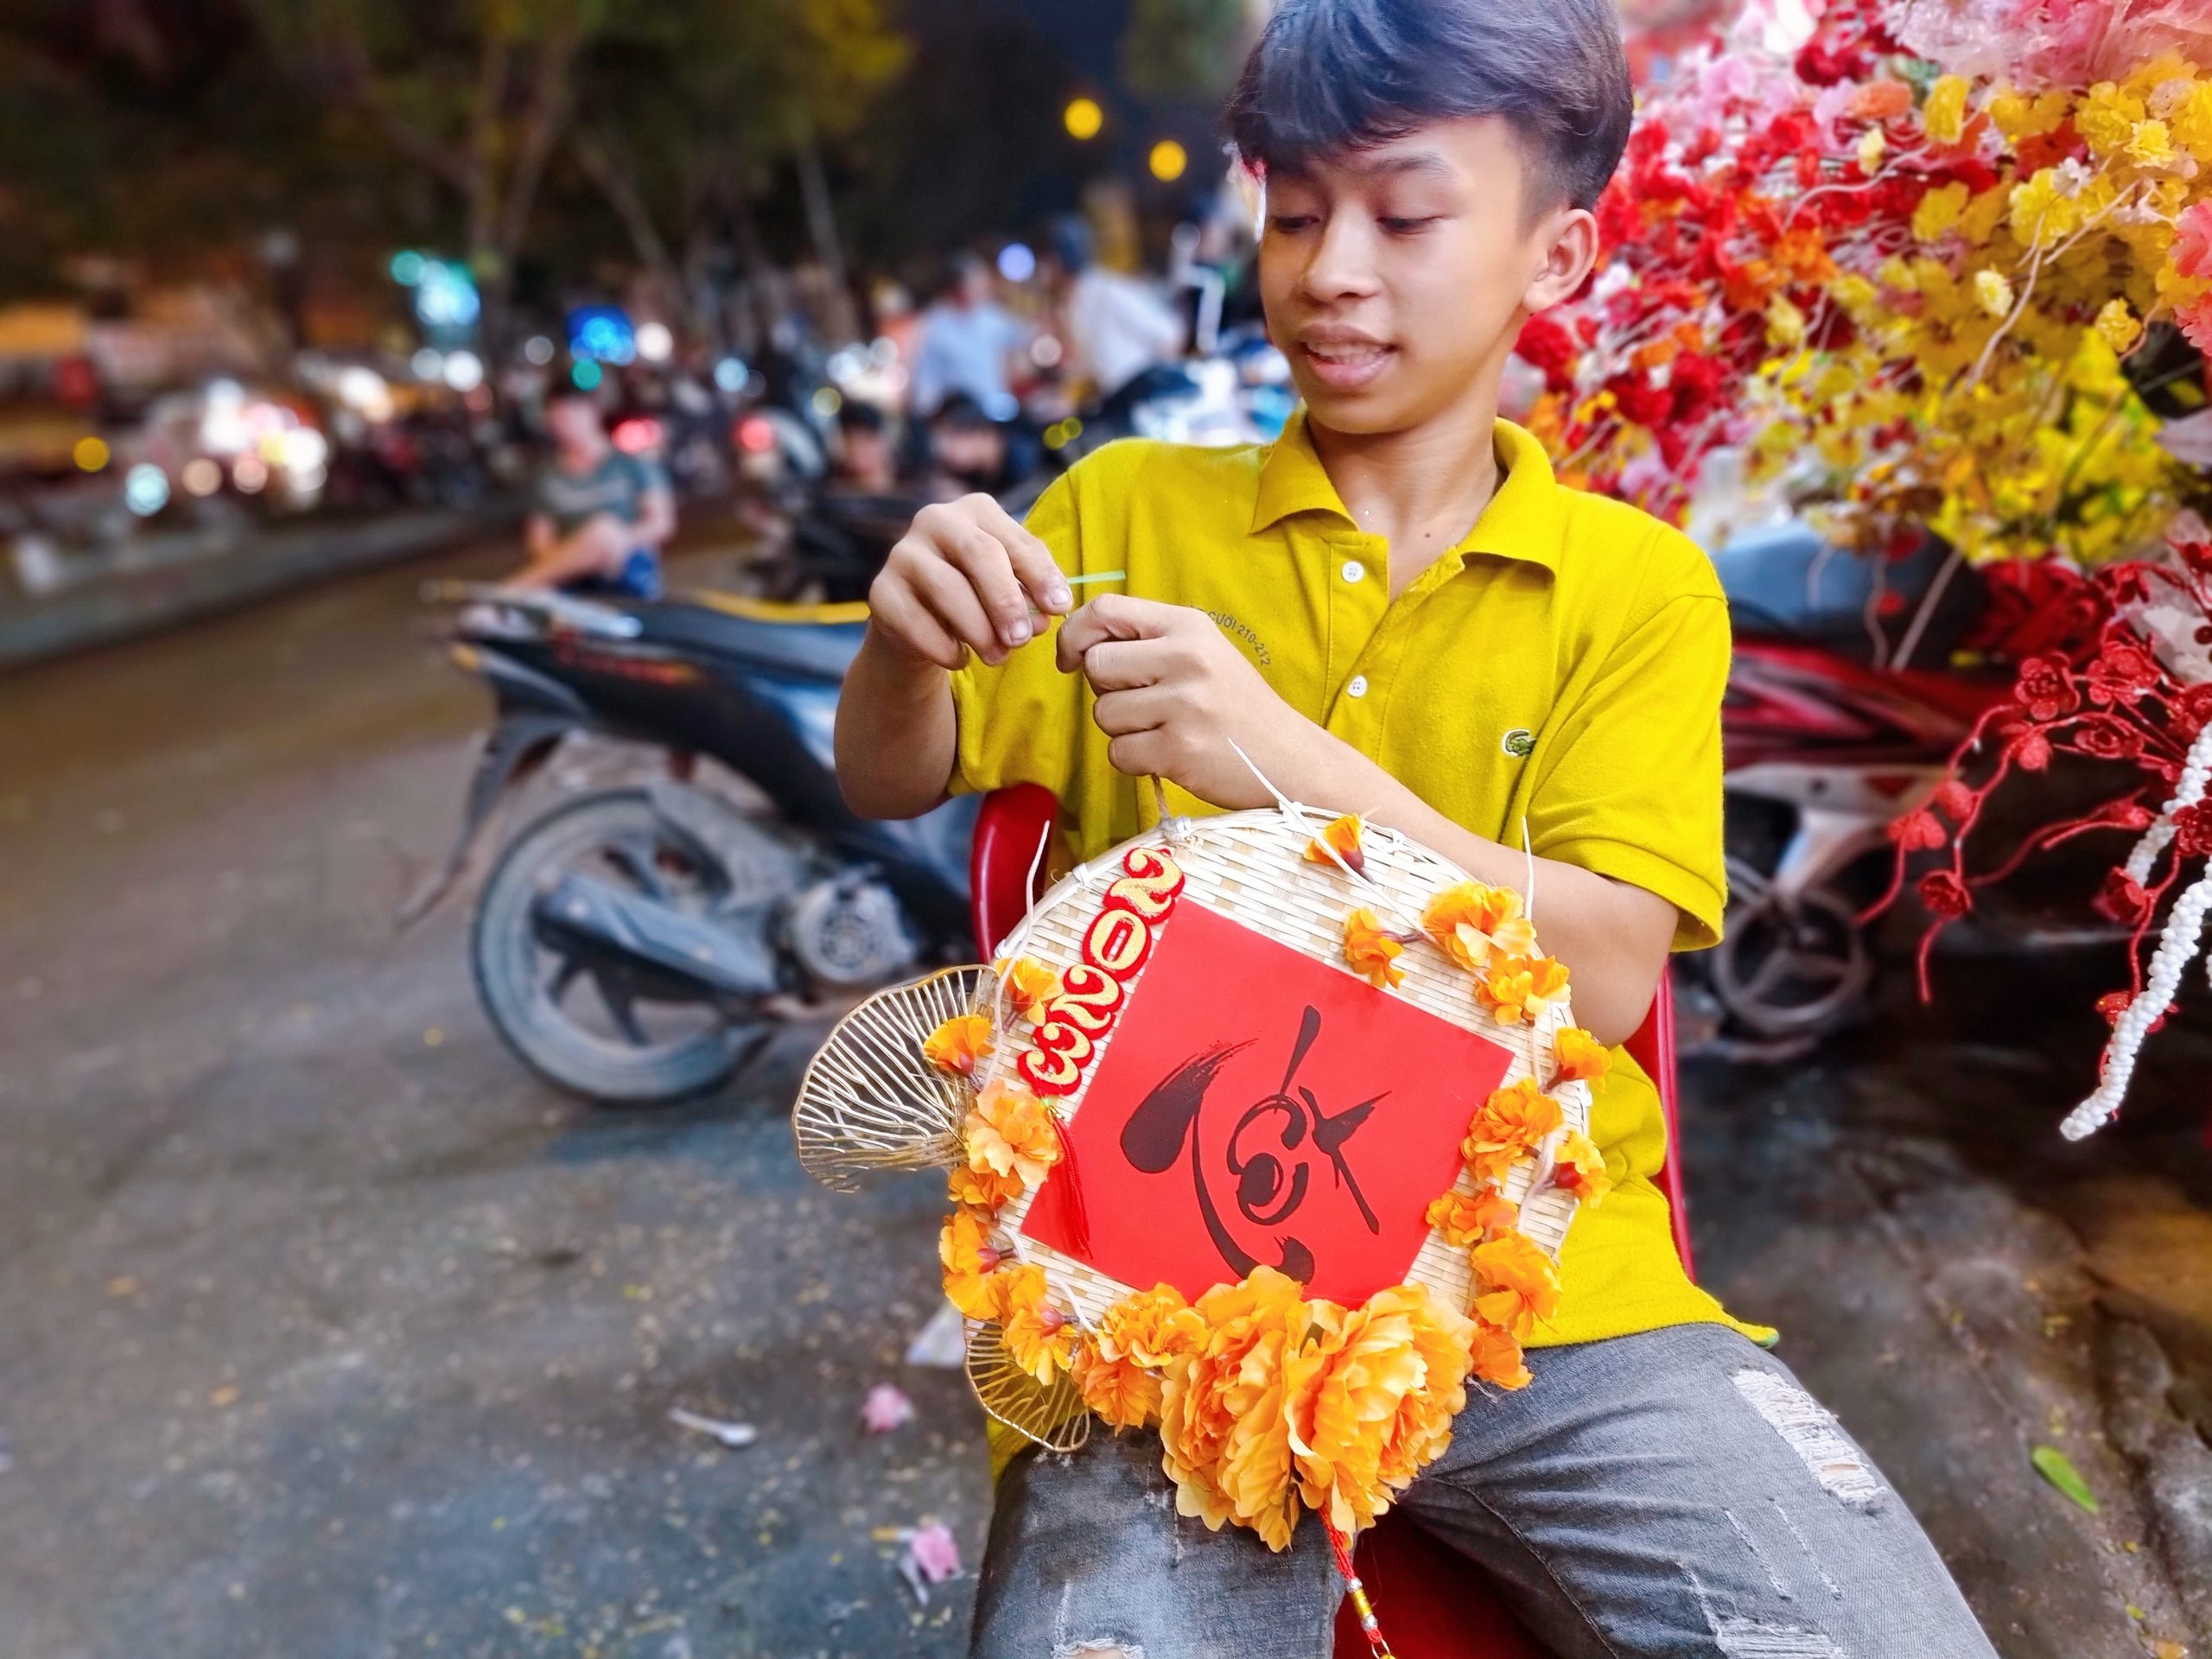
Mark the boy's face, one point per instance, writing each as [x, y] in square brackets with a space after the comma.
[1397, 278]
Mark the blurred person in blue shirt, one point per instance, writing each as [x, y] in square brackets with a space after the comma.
[967, 340]
[599, 518]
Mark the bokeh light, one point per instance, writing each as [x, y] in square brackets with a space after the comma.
[201, 476]
[145, 489]
[90, 454]
[464, 371]
[407, 268]
[538, 350]
[730, 373]
[827, 401]
[1167, 161]
[1017, 262]
[1083, 117]
[587, 375]
[428, 364]
[249, 474]
[654, 341]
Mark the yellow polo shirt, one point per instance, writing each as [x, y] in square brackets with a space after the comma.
[1561, 667]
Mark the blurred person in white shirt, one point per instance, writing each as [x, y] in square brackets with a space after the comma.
[968, 340]
[1117, 326]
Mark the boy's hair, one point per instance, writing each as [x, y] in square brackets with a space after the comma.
[1330, 76]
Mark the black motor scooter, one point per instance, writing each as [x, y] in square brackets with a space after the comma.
[697, 924]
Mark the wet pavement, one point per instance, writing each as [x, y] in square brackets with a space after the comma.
[326, 1330]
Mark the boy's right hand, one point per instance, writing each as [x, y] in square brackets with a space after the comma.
[965, 577]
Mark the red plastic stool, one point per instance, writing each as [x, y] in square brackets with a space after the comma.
[1433, 1603]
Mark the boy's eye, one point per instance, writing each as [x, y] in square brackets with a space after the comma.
[1406, 226]
[1291, 223]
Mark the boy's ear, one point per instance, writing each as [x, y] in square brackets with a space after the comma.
[1567, 247]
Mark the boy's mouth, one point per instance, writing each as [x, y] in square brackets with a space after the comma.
[1346, 365]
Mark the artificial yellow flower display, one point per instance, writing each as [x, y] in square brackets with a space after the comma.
[1521, 988]
[1039, 1338]
[1517, 1285]
[971, 1265]
[1467, 1220]
[1580, 1057]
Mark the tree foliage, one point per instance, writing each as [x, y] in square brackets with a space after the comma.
[1184, 50]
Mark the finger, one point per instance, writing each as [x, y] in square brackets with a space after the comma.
[1123, 713]
[1033, 564]
[1142, 754]
[907, 625]
[989, 570]
[1115, 616]
[1121, 665]
[952, 599]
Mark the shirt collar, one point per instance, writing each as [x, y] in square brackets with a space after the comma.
[1522, 521]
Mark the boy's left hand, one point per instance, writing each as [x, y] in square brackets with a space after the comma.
[1172, 693]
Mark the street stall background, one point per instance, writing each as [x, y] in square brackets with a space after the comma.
[326, 1327]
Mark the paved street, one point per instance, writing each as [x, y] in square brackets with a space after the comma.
[326, 1330]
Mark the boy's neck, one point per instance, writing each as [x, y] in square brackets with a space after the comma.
[1421, 488]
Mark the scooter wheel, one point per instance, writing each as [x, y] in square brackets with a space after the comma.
[593, 1030]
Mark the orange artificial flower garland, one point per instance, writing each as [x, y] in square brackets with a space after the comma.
[1268, 1401]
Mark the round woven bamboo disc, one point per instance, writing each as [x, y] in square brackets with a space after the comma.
[1252, 866]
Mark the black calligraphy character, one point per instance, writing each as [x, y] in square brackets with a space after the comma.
[1167, 1119]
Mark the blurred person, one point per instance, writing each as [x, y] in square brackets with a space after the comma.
[867, 459]
[1117, 326]
[968, 450]
[599, 518]
[896, 320]
[968, 341]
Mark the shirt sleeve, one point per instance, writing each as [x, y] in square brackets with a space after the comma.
[1022, 722]
[1632, 789]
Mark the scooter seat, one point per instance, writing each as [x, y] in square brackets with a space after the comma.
[816, 643]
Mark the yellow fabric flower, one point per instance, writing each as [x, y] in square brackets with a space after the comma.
[1463, 1220]
[1470, 923]
[1225, 1433]
[1516, 1283]
[971, 1265]
[1037, 1337]
[2043, 215]
[2117, 326]
[1008, 1131]
[1521, 988]
[1785, 321]
[984, 1189]
[1580, 1057]
[2106, 118]
[1120, 1390]
[1151, 1327]
[1370, 1398]
[1029, 986]
[1992, 292]
[956, 1045]
[1580, 1169]
[2151, 146]
[1944, 115]
[1872, 147]
[1508, 1128]
[1343, 838]
[1372, 952]
[2018, 116]
[1939, 210]
[1497, 1357]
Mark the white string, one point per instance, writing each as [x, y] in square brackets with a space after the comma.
[1528, 900]
[1020, 938]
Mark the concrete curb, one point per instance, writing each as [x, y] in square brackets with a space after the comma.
[120, 606]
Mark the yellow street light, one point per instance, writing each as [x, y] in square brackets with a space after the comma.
[90, 454]
[1168, 160]
[1083, 117]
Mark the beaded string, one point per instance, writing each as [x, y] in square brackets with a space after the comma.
[1357, 1592]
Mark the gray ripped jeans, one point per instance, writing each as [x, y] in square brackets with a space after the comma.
[1675, 1492]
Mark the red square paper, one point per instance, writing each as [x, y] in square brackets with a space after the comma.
[1326, 1114]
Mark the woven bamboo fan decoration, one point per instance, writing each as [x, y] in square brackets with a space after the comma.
[1256, 1100]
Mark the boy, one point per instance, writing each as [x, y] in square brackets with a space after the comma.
[598, 518]
[1397, 609]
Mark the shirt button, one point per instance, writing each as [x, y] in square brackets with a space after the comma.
[1354, 571]
[1357, 686]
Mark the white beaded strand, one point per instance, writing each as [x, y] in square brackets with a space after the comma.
[2177, 948]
